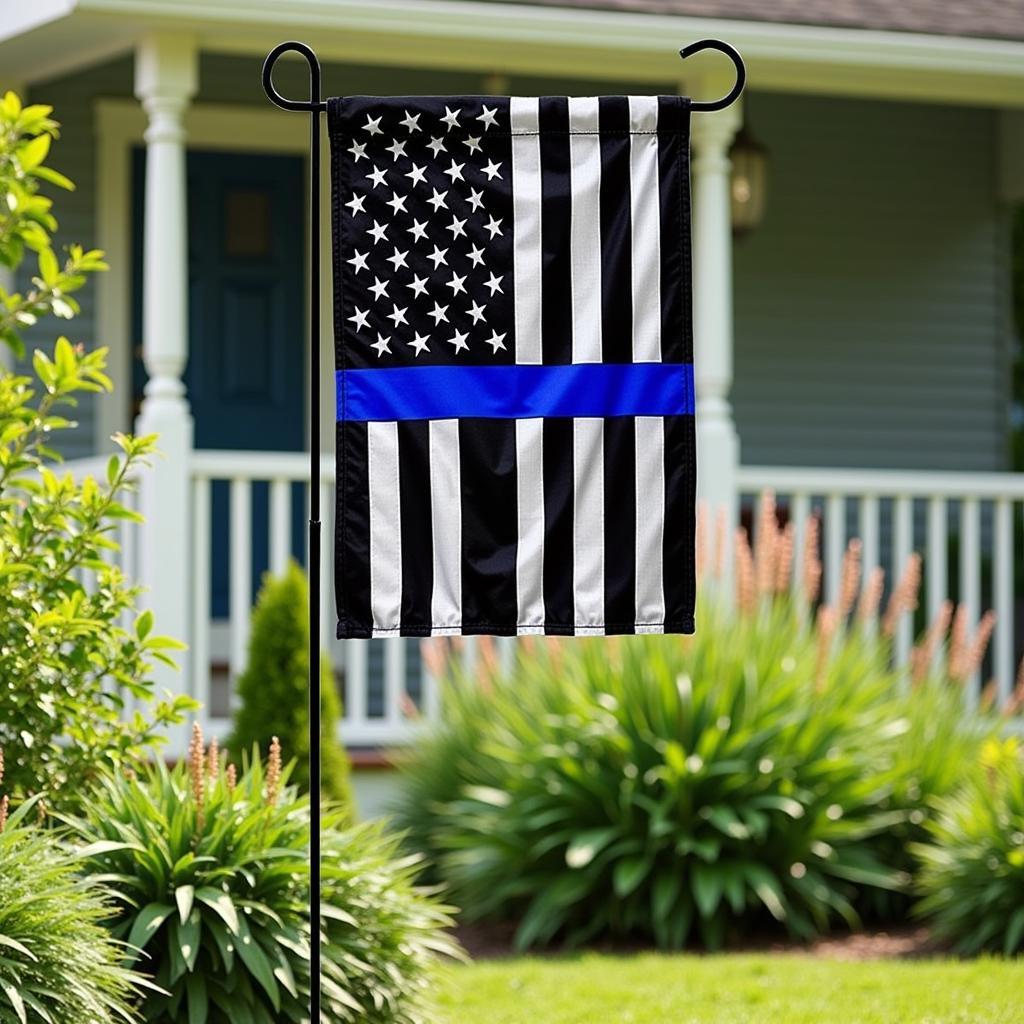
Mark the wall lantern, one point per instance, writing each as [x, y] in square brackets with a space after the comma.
[749, 178]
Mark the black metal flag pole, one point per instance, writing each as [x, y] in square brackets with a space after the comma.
[315, 106]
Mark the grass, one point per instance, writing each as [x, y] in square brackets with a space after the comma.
[732, 989]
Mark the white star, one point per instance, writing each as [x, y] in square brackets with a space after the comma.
[494, 226]
[437, 200]
[476, 311]
[437, 145]
[457, 227]
[476, 254]
[439, 313]
[358, 150]
[356, 202]
[380, 288]
[488, 117]
[418, 229]
[372, 125]
[379, 232]
[420, 343]
[476, 199]
[358, 261]
[396, 202]
[398, 258]
[492, 170]
[451, 118]
[359, 319]
[456, 284]
[494, 284]
[396, 149]
[496, 341]
[459, 341]
[381, 345]
[377, 175]
[412, 122]
[438, 256]
[419, 285]
[473, 142]
[416, 174]
[398, 315]
[455, 172]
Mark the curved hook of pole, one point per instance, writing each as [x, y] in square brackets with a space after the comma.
[314, 102]
[741, 72]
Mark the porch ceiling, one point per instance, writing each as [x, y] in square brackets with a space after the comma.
[52, 37]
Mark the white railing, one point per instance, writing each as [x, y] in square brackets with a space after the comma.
[895, 512]
[380, 708]
[388, 692]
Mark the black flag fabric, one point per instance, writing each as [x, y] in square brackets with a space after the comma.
[514, 368]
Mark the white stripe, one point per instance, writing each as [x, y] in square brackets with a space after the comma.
[588, 524]
[530, 499]
[645, 206]
[446, 525]
[526, 209]
[650, 523]
[585, 229]
[385, 525]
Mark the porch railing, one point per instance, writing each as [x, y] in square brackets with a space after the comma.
[968, 527]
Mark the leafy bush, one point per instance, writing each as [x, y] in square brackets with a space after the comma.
[273, 688]
[68, 665]
[972, 870]
[768, 767]
[210, 872]
[58, 965]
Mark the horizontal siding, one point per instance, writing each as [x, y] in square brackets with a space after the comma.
[870, 327]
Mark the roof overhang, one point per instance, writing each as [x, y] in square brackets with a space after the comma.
[50, 37]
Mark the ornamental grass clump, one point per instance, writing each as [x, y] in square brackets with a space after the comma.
[58, 965]
[209, 869]
[971, 879]
[675, 789]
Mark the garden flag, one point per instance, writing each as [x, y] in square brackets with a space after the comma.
[514, 365]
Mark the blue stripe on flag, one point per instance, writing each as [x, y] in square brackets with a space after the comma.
[514, 392]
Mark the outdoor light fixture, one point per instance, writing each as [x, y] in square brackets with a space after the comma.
[749, 173]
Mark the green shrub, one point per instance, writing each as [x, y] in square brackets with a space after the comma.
[58, 965]
[211, 879]
[68, 665]
[272, 690]
[657, 786]
[972, 870]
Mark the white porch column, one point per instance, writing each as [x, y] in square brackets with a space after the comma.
[165, 80]
[717, 441]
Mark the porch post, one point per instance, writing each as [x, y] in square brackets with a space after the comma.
[165, 80]
[717, 441]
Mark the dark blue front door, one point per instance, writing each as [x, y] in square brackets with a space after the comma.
[246, 368]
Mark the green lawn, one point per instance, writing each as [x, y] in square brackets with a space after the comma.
[736, 989]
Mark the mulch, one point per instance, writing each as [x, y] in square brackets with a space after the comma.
[495, 941]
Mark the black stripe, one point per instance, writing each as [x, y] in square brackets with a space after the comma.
[487, 465]
[352, 533]
[676, 346]
[556, 286]
[620, 524]
[672, 151]
[616, 232]
[678, 546]
[417, 534]
[559, 608]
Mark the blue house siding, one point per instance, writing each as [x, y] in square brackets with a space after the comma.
[871, 324]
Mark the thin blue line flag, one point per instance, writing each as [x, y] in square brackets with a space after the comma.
[514, 358]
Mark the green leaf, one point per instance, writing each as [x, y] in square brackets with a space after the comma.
[585, 846]
[184, 896]
[10, 943]
[147, 924]
[629, 873]
[198, 1001]
[33, 153]
[1014, 932]
[706, 883]
[14, 999]
[256, 960]
[221, 903]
